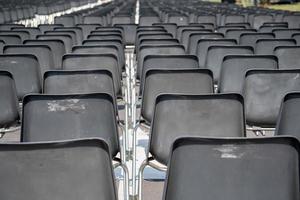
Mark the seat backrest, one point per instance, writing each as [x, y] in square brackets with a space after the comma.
[80, 165]
[204, 44]
[288, 56]
[63, 117]
[57, 47]
[48, 27]
[72, 34]
[250, 39]
[93, 20]
[10, 39]
[67, 40]
[9, 105]
[160, 81]
[42, 52]
[182, 115]
[170, 27]
[292, 20]
[285, 33]
[180, 29]
[296, 37]
[179, 20]
[67, 21]
[87, 29]
[32, 31]
[260, 19]
[186, 35]
[263, 92]
[78, 81]
[195, 37]
[233, 161]
[234, 68]
[267, 46]
[207, 19]
[129, 33]
[78, 32]
[148, 20]
[25, 70]
[91, 62]
[156, 50]
[24, 35]
[236, 33]
[216, 54]
[8, 27]
[233, 19]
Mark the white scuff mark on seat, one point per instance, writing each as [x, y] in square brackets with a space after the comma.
[13, 62]
[66, 105]
[229, 152]
[296, 77]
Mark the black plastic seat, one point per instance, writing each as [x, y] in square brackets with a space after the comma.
[57, 48]
[263, 92]
[87, 29]
[48, 27]
[169, 27]
[195, 37]
[250, 163]
[288, 119]
[11, 39]
[288, 57]
[216, 54]
[160, 81]
[70, 116]
[75, 169]
[204, 44]
[67, 40]
[72, 34]
[42, 52]
[267, 46]
[9, 106]
[100, 49]
[156, 50]
[250, 39]
[78, 32]
[185, 35]
[92, 62]
[67, 21]
[234, 68]
[25, 70]
[78, 81]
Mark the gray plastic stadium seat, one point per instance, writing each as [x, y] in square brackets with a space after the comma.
[57, 47]
[185, 35]
[122, 20]
[62, 117]
[72, 34]
[180, 29]
[288, 57]
[204, 44]
[288, 119]
[129, 33]
[195, 37]
[11, 39]
[292, 20]
[216, 54]
[42, 52]
[25, 70]
[24, 35]
[159, 42]
[100, 49]
[67, 40]
[48, 27]
[233, 169]
[223, 29]
[33, 31]
[75, 169]
[236, 33]
[8, 27]
[115, 36]
[179, 20]
[87, 28]
[9, 114]
[169, 62]
[233, 19]
[260, 19]
[160, 81]
[93, 20]
[94, 61]
[67, 21]
[77, 30]
[250, 39]
[148, 20]
[78, 81]
[295, 36]
[2, 44]
[267, 46]
[156, 50]
[285, 33]
[269, 29]
[207, 19]
[263, 92]
[234, 68]
[179, 115]
[169, 27]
